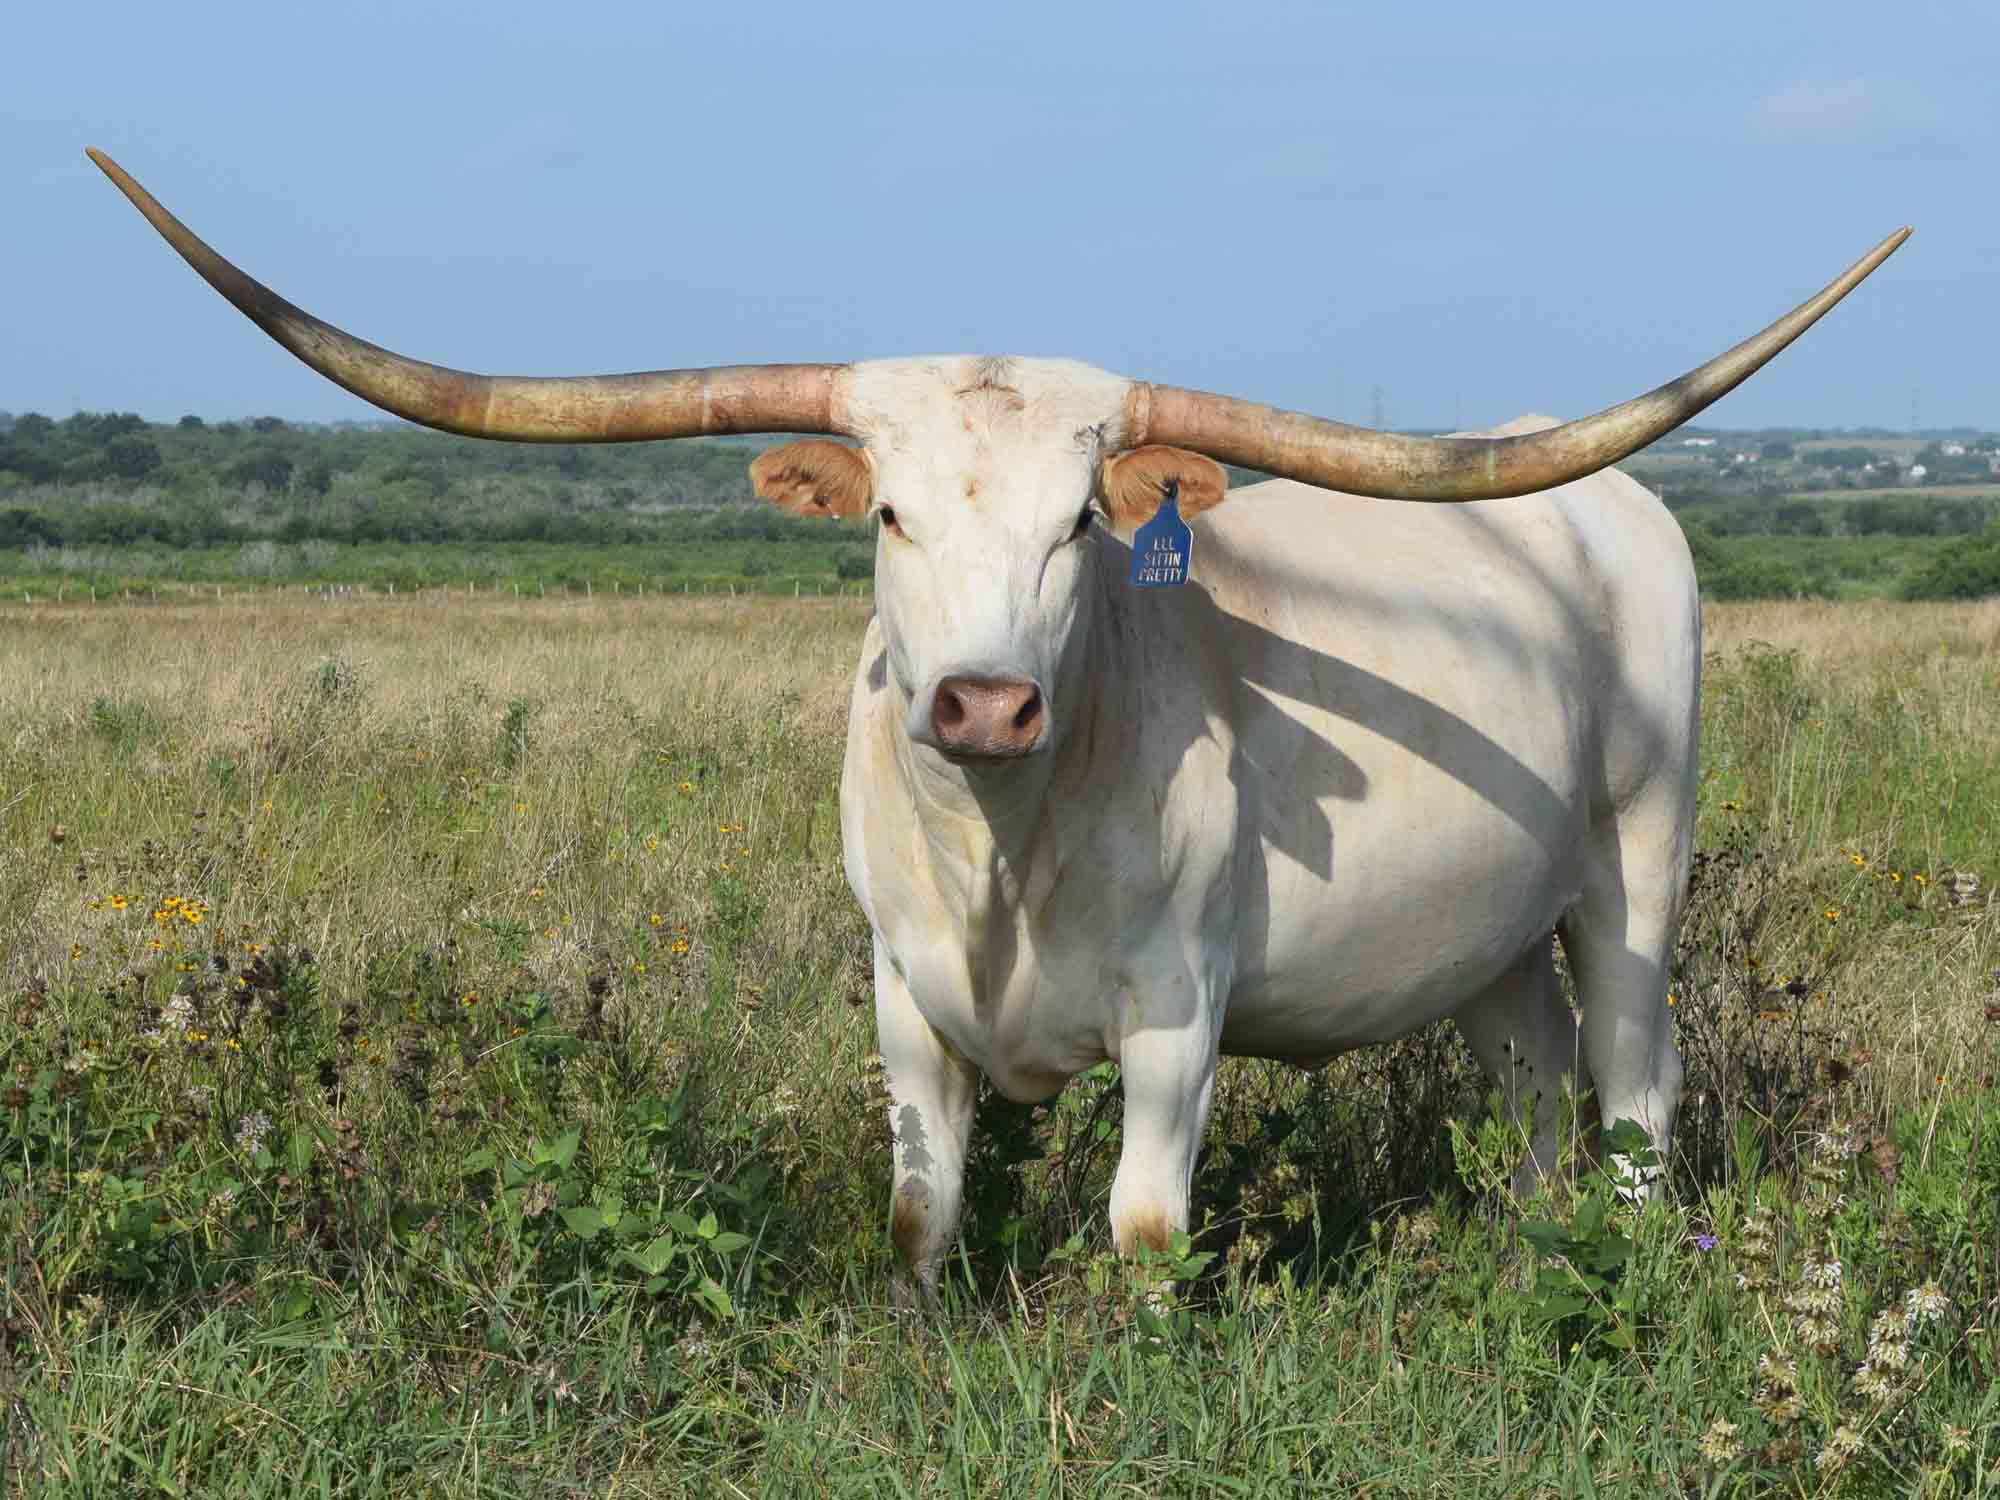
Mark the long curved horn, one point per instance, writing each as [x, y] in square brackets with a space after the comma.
[1363, 461]
[524, 408]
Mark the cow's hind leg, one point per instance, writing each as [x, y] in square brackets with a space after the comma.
[1521, 1030]
[1619, 938]
[932, 1091]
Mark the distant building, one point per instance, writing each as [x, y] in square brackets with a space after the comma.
[1697, 442]
[1954, 450]
[1918, 471]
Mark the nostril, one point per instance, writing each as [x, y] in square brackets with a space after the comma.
[987, 717]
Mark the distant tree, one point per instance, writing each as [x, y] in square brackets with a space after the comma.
[32, 427]
[1969, 568]
[192, 423]
[317, 478]
[1799, 518]
[1776, 451]
[32, 464]
[269, 424]
[130, 457]
[21, 527]
[99, 427]
[266, 466]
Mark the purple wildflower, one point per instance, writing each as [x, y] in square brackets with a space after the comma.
[1704, 1242]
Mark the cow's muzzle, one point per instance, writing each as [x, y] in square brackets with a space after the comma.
[979, 717]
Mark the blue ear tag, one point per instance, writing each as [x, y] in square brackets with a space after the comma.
[1163, 547]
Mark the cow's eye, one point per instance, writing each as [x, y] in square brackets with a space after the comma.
[887, 515]
[1082, 523]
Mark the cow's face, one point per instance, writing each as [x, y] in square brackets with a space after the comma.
[988, 479]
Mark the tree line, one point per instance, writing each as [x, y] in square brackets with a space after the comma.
[111, 480]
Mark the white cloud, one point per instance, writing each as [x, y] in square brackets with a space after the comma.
[531, 144]
[1865, 108]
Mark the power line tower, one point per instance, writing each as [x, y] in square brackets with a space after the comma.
[1375, 418]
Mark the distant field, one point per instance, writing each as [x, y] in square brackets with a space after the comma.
[1927, 492]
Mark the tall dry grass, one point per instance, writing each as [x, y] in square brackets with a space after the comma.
[566, 790]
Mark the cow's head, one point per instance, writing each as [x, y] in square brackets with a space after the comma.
[983, 472]
[987, 478]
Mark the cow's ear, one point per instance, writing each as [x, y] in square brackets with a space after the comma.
[1132, 482]
[814, 477]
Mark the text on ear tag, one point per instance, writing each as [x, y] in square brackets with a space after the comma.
[1163, 547]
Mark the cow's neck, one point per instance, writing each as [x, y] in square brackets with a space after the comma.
[996, 840]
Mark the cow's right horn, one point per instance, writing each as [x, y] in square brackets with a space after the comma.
[524, 408]
[1363, 461]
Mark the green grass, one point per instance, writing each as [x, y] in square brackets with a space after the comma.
[496, 1114]
[836, 563]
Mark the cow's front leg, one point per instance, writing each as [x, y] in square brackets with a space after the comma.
[1169, 1077]
[931, 1094]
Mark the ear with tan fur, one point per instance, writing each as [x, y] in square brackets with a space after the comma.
[814, 477]
[1132, 483]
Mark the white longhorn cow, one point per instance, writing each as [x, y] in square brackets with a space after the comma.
[1349, 780]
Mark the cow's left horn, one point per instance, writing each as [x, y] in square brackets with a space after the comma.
[525, 408]
[1363, 461]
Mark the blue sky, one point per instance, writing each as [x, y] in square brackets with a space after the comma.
[1481, 210]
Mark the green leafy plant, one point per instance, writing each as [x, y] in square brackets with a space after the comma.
[1588, 1291]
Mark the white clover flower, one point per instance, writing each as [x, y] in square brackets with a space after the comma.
[1891, 1326]
[1890, 1354]
[1816, 1330]
[1776, 1367]
[1874, 1383]
[1926, 1303]
[1782, 1407]
[1719, 1445]
[1842, 1445]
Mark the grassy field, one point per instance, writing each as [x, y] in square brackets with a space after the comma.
[161, 574]
[438, 1056]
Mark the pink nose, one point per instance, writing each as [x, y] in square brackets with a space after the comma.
[987, 718]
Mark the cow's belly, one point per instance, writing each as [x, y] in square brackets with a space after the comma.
[1408, 904]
